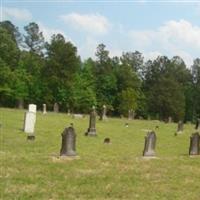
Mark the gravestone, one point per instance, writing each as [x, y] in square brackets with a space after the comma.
[103, 115]
[68, 146]
[197, 127]
[32, 108]
[150, 144]
[180, 127]
[107, 141]
[29, 124]
[56, 107]
[169, 119]
[44, 108]
[194, 144]
[92, 123]
[131, 114]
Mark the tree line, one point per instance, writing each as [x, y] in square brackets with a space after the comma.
[35, 71]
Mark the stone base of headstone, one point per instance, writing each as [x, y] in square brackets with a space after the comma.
[30, 137]
[91, 132]
[149, 157]
[59, 159]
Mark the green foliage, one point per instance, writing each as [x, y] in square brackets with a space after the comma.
[128, 101]
[53, 72]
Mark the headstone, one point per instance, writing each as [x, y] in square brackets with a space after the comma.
[194, 144]
[44, 108]
[92, 124]
[32, 108]
[131, 114]
[150, 144]
[169, 119]
[56, 107]
[29, 124]
[180, 127]
[77, 116]
[21, 104]
[106, 141]
[68, 112]
[68, 147]
[103, 115]
[197, 127]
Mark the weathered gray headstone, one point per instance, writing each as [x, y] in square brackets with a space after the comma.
[21, 104]
[194, 144]
[44, 108]
[197, 127]
[180, 127]
[56, 107]
[29, 124]
[104, 111]
[32, 108]
[92, 123]
[68, 147]
[131, 114]
[169, 119]
[150, 144]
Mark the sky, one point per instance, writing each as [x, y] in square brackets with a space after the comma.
[162, 27]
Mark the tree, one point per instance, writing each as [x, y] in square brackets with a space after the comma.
[129, 100]
[61, 66]
[34, 38]
[9, 51]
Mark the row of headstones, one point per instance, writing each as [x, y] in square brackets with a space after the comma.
[68, 136]
[30, 120]
[56, 109]
[68, 147]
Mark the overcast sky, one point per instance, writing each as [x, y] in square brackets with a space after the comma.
[151, 27]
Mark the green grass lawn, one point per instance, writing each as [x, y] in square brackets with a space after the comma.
[32, 170]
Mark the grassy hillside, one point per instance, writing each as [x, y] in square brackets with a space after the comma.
[33, 170]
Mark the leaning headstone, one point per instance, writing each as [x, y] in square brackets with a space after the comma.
[92, 124]
[180, 127]
[150, 144]
[29, 124]
[194, 144]
[103, 115]
[44, 108]
[68, 147]
[197, 127]
[32, 108]
[56, 107]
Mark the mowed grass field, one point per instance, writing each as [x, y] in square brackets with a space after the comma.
[33, 170]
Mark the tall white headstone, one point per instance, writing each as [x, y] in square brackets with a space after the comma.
[29, 122]
[32, 108]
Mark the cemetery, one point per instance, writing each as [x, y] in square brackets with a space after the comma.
[124, 169]
[99, 100]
